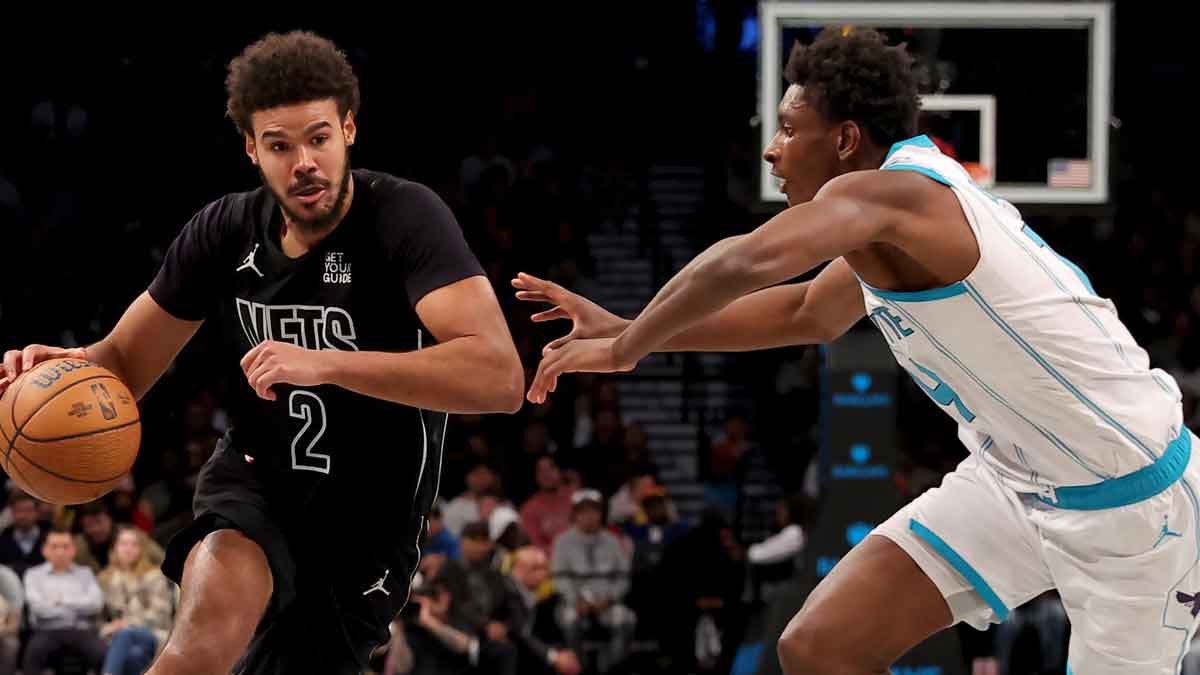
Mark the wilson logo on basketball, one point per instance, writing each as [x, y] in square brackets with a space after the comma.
[46, 377]
[107, 409]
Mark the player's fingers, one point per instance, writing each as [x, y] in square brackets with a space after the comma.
[263, 380]
[550, 315]
[558, 342]
[31, 355]
[257, 372]
[537, 391]
[248, 361]
[532, 283]
[3, 384]
[10, 363]
[532, 296]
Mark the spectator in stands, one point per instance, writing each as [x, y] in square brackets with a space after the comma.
[485, 599]
[547, 513]
[691, 595]
[64, 602]
[788, 543]
[96, 536]
[651, 537]
[520, 468]
[596, 460]
[441, 641]
[591, 570]
[441, 540]
[467, 507]
[504, 528]
[12, 603]
[661, 528]
[724, 463]
[626, 504]
[140, 602]
[127, 508]
[21, 542]
[531, 619]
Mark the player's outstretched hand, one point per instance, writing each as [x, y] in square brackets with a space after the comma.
[17, 361]
[577, 356]
[589, 320]
[271, 363]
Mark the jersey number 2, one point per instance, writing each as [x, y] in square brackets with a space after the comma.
[307, 406]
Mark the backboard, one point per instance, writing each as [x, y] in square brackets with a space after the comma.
[1019, 92]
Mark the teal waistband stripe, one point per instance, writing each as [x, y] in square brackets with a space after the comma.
[1132, 488]
[963, 567]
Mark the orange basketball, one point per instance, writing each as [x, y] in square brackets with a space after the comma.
[69, 430]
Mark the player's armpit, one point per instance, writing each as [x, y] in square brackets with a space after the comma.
[142, 344]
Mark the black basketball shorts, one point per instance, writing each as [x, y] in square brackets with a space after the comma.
[331, 604]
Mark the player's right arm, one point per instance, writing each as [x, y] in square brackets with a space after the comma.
[160, 321]
[137, 350]
[142, 344]
[810, 312]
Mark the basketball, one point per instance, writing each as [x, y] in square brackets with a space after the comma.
[69, 429]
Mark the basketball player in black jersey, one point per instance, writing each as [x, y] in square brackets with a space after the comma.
[352, 309]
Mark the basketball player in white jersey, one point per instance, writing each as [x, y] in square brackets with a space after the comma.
[1081, 475]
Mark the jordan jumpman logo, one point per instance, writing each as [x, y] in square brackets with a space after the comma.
[1166, 532]
[378, 585]
[248, 263]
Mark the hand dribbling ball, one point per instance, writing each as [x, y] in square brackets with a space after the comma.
[69, 431]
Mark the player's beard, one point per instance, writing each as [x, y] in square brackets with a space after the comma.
[320, 222]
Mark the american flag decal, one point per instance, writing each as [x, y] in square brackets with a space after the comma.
[1070, 173]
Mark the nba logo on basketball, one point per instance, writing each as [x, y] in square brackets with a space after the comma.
[107, 409]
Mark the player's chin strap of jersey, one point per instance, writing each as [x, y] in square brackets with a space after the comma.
[1129, 489]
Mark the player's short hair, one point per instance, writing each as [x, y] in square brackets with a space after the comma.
[853, 74]
[59, 529]
[286, 69]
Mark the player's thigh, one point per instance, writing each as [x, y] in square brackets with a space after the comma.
[225, 590]
[873, 607]
[1130, 581]
[974, 539]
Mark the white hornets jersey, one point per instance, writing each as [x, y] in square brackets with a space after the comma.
[1047, 385]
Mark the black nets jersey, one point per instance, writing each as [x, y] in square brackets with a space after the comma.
[324, 452]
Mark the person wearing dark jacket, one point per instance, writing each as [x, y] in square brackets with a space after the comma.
[532, 626]
[21, 542]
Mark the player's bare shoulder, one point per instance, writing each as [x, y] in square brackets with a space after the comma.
[911, 201]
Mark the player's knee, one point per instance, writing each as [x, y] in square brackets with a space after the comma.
[225, 550]
[198, 657]
[807, 646]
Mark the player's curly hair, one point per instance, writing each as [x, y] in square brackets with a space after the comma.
[853, 74]
[285, 69]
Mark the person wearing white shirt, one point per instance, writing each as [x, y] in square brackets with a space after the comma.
[64, 601]
[788, 543]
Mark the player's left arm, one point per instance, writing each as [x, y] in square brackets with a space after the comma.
[473, 369]
[848, 214]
